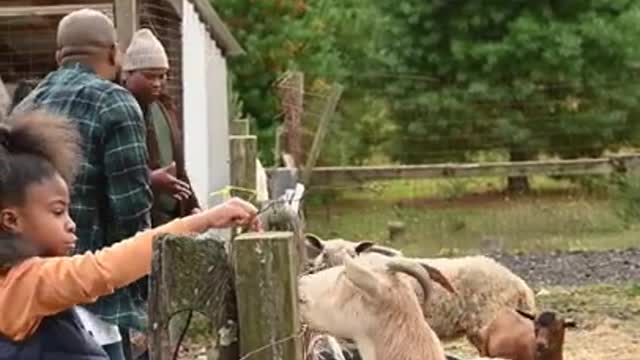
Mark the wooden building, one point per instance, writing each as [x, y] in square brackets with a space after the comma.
[198, 45]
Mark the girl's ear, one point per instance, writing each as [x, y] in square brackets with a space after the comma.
[9, 220]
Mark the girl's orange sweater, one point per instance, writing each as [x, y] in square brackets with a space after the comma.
[41, 287]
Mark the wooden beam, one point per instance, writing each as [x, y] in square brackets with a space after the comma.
[243, 152]
[349, 175]
[52, 10]
[266, 287]
[217, 29]
[239, 127]
[177, 7]
[192, 274]
[323, 127]
[126, 19]
[291, 92]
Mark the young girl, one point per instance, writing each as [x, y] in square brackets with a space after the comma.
[39, 284]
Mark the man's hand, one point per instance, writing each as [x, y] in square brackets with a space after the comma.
[164, 180]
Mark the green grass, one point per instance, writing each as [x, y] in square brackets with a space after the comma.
[589, 304]
[450, 217]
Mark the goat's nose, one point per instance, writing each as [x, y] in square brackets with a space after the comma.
[541, 347]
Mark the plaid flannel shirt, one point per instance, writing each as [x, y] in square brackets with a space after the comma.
[111, 197]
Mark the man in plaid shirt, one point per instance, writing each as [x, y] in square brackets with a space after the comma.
[111, 199]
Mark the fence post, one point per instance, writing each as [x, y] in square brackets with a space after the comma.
[291, 91]
[266, 286]
[192, 274]
[239, 127]
[243, 149]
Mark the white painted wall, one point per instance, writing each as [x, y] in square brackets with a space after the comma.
[218, 113]
[206, 131]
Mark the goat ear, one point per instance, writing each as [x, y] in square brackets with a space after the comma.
[363, 246]
[570, 323]
[526, 314]
[314, 240]
[313, 245]
[362, 277]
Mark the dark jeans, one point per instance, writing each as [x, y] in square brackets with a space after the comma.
[126, 342]
[114, 351]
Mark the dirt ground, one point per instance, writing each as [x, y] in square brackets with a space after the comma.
[607, 341]
[608, 318]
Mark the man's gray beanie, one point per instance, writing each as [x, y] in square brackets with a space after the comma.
[145, 52]
[84, 32]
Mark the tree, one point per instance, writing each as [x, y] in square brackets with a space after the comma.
[526, 77]
[325, 39]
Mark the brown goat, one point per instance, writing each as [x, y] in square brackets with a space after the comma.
[517, 335]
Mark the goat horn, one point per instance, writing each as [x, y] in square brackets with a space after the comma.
[526, 314]
[416, 271]
[437, 276]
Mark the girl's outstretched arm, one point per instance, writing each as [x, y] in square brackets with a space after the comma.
[40, 287]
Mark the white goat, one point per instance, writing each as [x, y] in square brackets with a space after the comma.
[376, 307]
[328, 253]
[483, 285]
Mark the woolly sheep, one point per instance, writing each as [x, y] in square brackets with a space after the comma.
[484, 287]
[375, 306]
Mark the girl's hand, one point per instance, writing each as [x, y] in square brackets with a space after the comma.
[233, 212]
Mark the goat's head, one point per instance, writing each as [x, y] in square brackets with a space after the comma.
[329, 253]
[549, 332]
[353, 300]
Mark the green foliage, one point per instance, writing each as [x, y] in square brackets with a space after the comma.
[325, 39]
[525, 76]
[627, 199]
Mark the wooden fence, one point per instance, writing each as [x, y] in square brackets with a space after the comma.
[349, 175]
[245, 286]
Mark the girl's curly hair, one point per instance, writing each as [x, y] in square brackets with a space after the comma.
[33, 146]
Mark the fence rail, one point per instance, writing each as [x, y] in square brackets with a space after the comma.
[347, 175]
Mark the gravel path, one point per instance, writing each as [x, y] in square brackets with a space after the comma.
[574, 268]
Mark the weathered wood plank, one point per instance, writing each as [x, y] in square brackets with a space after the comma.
[239, 127]
[243, 164]
[51, 10]
[348, 175]
[126, 19]
[291, 91]
[323, 127]
[266, 284]
[192, 274]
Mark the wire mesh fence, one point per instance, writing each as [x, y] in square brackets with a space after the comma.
[28, 39]
[450, 216]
